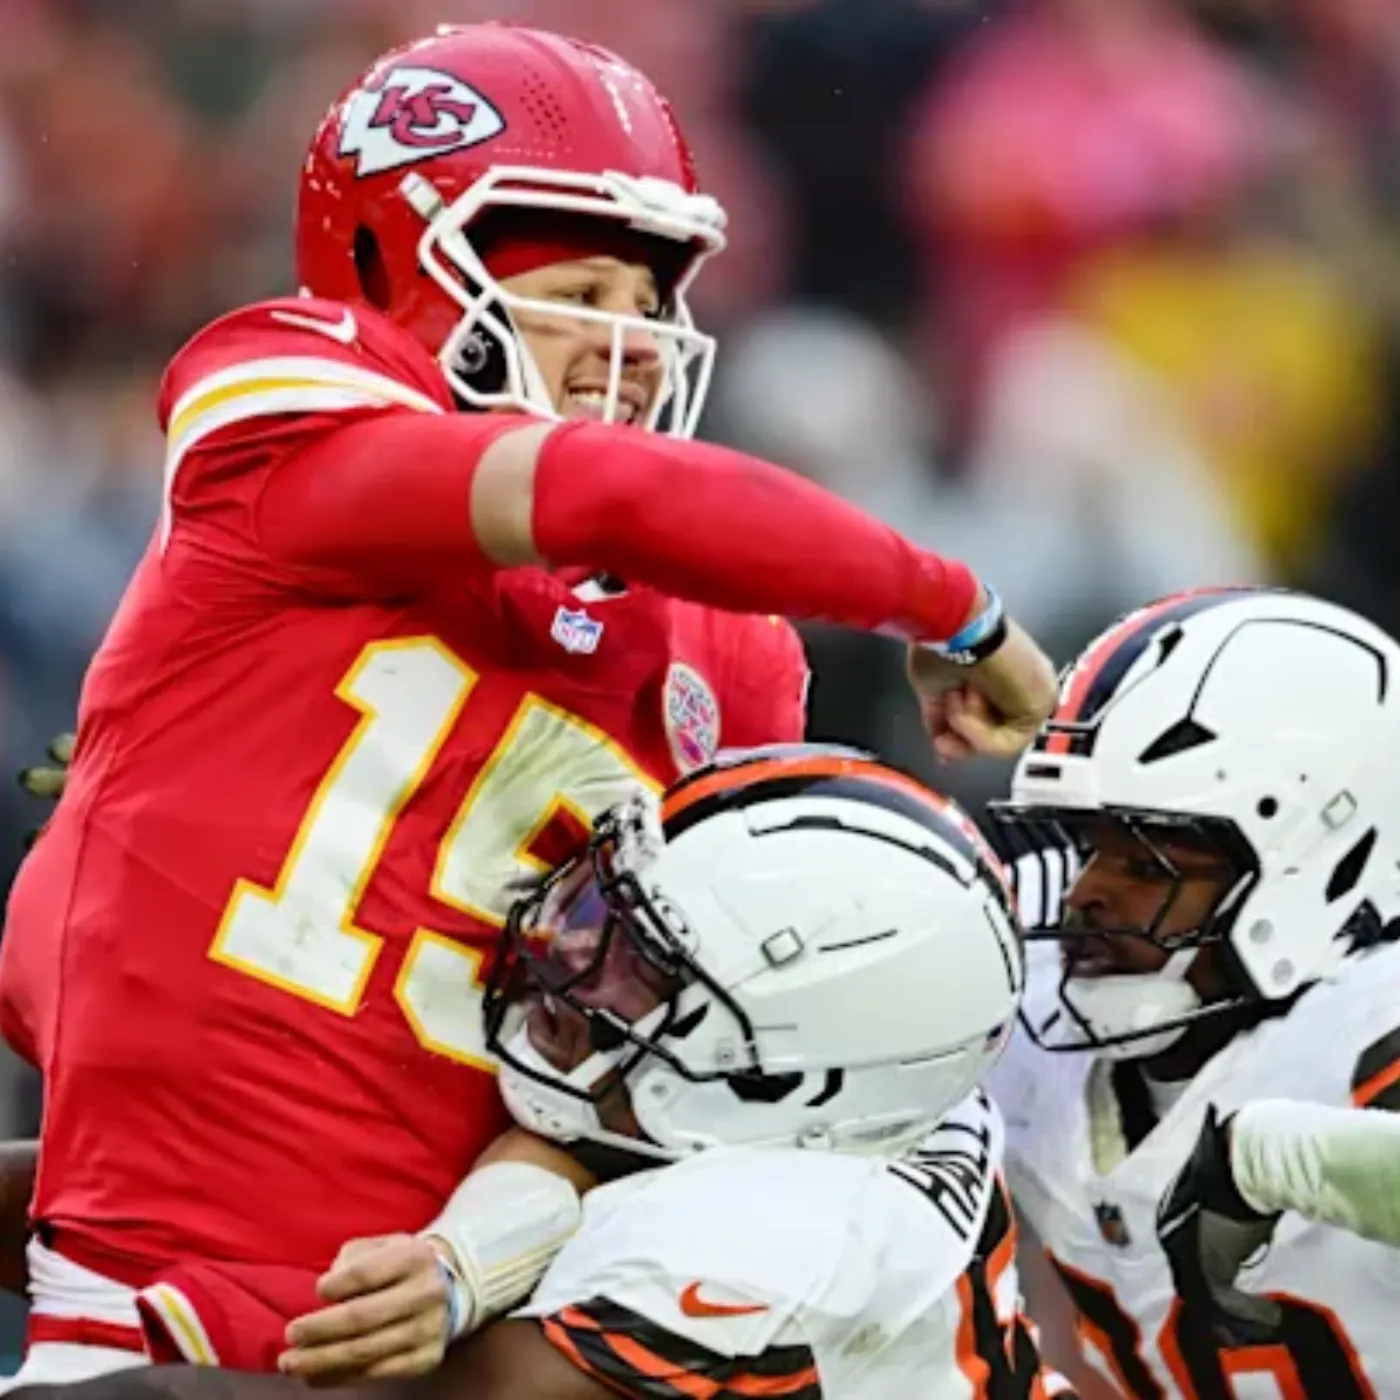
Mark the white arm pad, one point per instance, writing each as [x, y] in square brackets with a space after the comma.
[502, 1226]
[1337, 1166]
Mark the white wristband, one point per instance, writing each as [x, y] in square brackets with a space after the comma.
[503, 1226]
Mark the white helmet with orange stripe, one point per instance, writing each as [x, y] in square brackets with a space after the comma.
[800, 947]
[1226, 766]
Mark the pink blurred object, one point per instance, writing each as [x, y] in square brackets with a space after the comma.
[1044, 137]
[1063, 131]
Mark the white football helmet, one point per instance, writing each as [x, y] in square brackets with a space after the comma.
[1262, 724]
[799, 947]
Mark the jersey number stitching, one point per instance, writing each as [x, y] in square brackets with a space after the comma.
[1312, 1355]
[301, 934]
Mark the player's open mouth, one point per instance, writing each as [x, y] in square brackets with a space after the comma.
[1094, 958]
[592, 403]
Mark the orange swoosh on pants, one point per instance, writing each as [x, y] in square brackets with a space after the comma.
[693, 1305]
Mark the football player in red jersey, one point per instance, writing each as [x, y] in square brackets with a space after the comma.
[438, 577]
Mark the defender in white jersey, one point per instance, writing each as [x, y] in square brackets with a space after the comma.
[1225, 767]
[803, 1274]
[780, 1001]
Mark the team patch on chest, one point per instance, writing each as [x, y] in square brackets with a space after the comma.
[690, 713]
[1112, 1226]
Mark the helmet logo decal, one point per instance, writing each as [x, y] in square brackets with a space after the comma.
[414, 113]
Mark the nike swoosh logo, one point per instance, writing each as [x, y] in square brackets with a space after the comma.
[343, 331]
[693, 1305]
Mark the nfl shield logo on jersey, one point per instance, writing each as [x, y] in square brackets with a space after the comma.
[575, 631]
[691, 715]
[1112, 1226]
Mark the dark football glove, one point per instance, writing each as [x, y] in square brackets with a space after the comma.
[1208, 1231]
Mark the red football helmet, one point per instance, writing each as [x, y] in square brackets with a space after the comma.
[404, 187]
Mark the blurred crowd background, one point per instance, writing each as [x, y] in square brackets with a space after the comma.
[1103, 295]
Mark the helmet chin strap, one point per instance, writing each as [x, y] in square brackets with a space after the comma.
[1131, 1004]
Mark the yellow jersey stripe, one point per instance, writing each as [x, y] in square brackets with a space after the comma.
[186, 1330]
[252, 389]
[310, 369]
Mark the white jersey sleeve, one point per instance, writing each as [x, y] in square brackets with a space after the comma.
[796, 1273]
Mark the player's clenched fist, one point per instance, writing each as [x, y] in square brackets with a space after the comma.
[389, 1314]
[987, 697]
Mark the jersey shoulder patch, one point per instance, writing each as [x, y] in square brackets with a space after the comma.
[294, 357]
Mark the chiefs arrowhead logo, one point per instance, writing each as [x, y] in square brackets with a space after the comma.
[412, 114]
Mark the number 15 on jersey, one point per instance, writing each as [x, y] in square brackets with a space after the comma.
[301, 933]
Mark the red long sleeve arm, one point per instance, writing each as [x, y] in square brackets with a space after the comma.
[389, 497]
[715, 526]
[384, 500]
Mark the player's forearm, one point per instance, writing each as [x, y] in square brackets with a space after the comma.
[1337, 1166]
[710, 525]
[499, 1232]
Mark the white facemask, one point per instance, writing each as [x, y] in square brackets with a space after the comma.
[554, 1113]
[1132, 1004]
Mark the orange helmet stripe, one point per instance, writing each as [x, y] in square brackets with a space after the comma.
[741, 775]
[1084, 679]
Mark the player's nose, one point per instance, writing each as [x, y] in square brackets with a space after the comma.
[1090, 892]
[640, 348]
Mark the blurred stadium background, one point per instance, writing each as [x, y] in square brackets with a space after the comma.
[1103, 295]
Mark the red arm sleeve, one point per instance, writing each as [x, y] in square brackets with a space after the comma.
[704, 523]
[390, 496]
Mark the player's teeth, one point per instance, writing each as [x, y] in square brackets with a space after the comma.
[625, 412]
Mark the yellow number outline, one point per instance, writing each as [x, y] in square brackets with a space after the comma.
[425, 942]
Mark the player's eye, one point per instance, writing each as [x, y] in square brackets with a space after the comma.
[576, 296]
[1144, 869]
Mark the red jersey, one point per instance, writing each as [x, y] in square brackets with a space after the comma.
[247, 952]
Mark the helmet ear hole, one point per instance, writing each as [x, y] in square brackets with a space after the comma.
[481, 359]
[370, 269]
